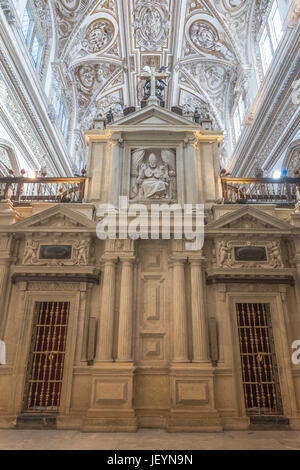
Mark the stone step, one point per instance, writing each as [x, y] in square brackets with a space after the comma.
[269, 422]
[36, 421]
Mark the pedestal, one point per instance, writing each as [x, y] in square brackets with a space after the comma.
[111, 406]
[192, 399]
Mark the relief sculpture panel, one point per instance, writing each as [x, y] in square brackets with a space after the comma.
[153, 174]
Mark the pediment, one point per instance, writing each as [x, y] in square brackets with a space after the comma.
[153, 116]
[249, 218]
[58, 217]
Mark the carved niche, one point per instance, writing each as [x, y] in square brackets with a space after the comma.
[153, 174]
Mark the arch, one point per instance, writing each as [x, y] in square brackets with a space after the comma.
[8, 158]
[291, 162]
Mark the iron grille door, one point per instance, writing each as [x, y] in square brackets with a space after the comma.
[259, 367]
[47, 356]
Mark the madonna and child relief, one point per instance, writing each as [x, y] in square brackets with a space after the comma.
[153, 174]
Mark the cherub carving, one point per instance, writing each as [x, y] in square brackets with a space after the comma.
[275, 255]
[225, 254]
[81, 248]
[30, 254]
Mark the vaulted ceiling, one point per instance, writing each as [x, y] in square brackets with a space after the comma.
[103, 45]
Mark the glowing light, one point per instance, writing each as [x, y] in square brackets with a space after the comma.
[276, 175]
[32, 174]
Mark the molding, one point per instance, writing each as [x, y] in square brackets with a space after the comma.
[90, 279]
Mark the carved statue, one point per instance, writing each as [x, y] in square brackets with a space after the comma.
[152, 179]
[30, 254]
[225, 254]
[155, 84]
[81, 248]
[275, 255]
[110, 117]
[99, 112]
[197, 116]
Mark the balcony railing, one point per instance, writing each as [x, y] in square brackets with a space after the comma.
[23, 191]
[284, 191]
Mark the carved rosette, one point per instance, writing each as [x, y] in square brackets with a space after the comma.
[98, 36]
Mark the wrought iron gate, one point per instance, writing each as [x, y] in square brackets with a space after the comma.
[47, 356]
[258, 359]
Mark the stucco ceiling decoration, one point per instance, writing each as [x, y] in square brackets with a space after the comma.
[233, 5]
[98, 35]
[206, 38]
[151, 24]
[206, 44]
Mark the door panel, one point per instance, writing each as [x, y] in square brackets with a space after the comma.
[47, 356]
[258, 359]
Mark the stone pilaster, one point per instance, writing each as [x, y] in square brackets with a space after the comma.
[199, 318]
[180, 349]
[125, 312]
[107, 312]
[5, 261]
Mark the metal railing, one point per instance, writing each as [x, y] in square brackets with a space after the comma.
[23, 191]
[260, 190]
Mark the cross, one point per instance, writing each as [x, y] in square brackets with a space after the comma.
[153, 76]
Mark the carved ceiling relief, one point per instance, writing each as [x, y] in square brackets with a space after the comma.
[197, 5]
[212, 44]
[151, 23]
[98, 35]
[205, 37]
[261, 12]
[113, 101]
[236, 16]
[90, 80]
[68, 13]
[213, 79]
